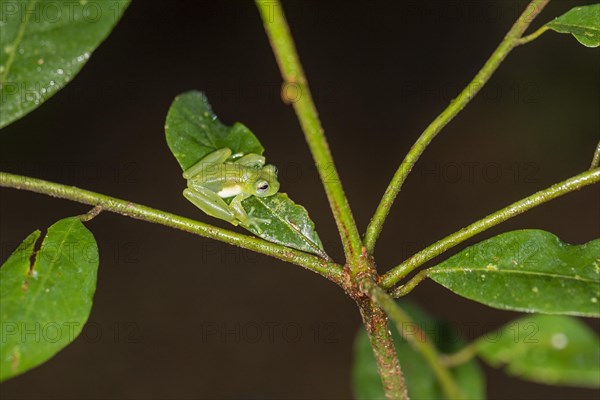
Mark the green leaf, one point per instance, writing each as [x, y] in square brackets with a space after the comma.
[582, 22]
[44, 305]
[550, 349]
[193, 131]
[290, 224]
[526, 270]
[44, 44]
[420, 380]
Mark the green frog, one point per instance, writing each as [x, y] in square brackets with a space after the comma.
[220, 175]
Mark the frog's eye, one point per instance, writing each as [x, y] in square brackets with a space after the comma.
[262, 186]
[271, 169]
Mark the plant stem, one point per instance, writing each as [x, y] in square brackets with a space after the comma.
[411, 284]
[322, 267]
[533, 36]
[419, 341]
[295, 82]
[460, 357]
[596, 159]
[510, 41]
[577, 182]
[376, 324]
[90, 215]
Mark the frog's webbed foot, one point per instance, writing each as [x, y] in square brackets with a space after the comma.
[255, 221]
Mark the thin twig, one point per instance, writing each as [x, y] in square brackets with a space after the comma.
[541, 197]
[327, 269]
[461, 356]
[596, 158]
[295, 82]
[90, 215]
[410, 285]
[505, 47]
[533, 36]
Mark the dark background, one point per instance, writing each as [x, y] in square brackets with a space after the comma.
[169, 305]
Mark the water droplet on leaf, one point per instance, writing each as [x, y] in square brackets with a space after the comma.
[559, 341]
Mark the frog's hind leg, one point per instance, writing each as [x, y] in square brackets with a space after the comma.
[210, 202]
[252, 160]
[246, 219]
[216, 157]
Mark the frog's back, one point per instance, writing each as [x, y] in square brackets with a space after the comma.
[227, 179]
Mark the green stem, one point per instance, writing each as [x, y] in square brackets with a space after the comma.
[554, 191]
[90, 215]
[460, 357]
[419, 341]
[533, 36]
[376, 324]
[596, 159]
[295, 90]
[327, 269]
[411, 284]
[510, 41]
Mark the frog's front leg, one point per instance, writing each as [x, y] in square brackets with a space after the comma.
[242, 215]
[213, 205]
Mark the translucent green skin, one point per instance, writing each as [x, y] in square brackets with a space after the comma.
[213, 178]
